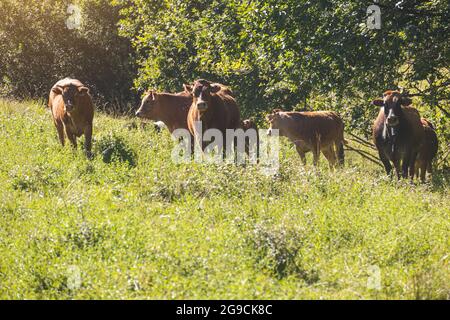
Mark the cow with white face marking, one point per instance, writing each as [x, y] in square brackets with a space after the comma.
[214, 107]
[397, 133]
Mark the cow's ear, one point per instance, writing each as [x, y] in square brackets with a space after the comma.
[215, 88]
[378, 102]
[83, 91]
[187, 88]
[405, 101]
[57, 90]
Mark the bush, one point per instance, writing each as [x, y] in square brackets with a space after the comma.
[114, 149]
[37, 49]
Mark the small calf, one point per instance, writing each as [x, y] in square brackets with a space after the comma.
[319, 131]
[427, 151]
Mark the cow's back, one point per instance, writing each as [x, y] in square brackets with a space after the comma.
[324, 125]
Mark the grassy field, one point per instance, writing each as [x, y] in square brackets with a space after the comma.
[131, 224]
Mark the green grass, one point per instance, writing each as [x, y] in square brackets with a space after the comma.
[131, 224]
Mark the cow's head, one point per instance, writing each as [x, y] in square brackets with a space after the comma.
[148, 106]
[392, 102]
[201, 92]
[71, 95]
[274, 120]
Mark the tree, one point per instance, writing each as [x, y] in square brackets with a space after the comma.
[286, 52]
[37, 48]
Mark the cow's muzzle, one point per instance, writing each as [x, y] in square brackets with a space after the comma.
[392, 121]
[202, 106]
[69, 107]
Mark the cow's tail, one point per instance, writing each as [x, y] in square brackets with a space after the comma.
[340, 153]
[340, 148]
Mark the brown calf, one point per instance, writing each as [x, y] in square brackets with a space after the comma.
[312, 131]
[214, 107]
[72, 111]
[172, 109]
[427, 151]
[397, 133]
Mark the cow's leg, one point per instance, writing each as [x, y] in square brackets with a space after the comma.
[60, 130]
[423, 171]
[330, 155]
[340, 152]
[316, 156]
[405, 167]
[316, 150]
[88, 140]
[194, 145]
[223, 148]
[386, 162]
[411, 164]
[398, 169]
[397, 161]
[301, 154]
[72, 138]
[417, 168]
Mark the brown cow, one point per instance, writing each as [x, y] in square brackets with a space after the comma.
[171, 109]
[312, 131]
[397, 133]
[72, 111]
[427, 151]
[214, 107]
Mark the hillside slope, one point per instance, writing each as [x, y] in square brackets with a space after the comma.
[132, 224]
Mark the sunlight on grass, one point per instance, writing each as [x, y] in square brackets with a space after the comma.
[132, 224]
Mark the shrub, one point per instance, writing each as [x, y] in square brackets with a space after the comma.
[113, 148]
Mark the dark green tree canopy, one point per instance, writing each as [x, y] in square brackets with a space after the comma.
[293, 54]
[281, 52]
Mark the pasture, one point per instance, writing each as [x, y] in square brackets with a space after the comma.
[132, 224]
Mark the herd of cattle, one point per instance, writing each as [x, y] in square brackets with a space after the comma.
[401, 136]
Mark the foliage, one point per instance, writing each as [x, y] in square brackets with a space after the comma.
[37, 49]
[73, 228]
[113, 148]
[295, 54]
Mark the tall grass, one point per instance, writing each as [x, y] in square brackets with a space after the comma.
[132, 224]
